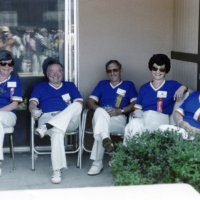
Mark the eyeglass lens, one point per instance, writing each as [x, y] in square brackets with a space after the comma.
[156, 69]
[112, 70]
[10, 64]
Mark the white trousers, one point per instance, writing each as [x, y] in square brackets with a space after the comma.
[7, 119]
[66, 120]
[181, 131]
[103, 124]
[150, 121]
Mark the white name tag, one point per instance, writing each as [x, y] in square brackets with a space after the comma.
[162, 94]
[11, 84]
[66, 97]
[121, 92]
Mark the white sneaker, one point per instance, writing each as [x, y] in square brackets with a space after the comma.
[95, 169]
[41, 131]
[56, 177]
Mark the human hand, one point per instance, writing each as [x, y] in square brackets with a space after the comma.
[179, 93]
[113, 111]
[36, 113]
[138, 113]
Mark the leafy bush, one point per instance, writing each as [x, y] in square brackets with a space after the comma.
[157, 157]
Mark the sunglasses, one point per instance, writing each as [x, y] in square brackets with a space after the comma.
[109, 71]
[10, 64]
[156, 69]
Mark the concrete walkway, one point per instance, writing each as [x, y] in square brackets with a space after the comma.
[24, 178]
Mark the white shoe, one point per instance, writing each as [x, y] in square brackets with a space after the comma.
[95, 169]
[56, 177]
[41, 131]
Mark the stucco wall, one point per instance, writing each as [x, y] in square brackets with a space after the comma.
[129, 30]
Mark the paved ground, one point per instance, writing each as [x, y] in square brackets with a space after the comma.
[24, 178]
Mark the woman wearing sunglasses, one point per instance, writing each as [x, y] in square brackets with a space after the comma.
[10, 95]
[156, 98]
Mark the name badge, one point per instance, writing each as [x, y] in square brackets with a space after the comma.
[161, 94]
[121, 92]
[66, 97]
[11, 84]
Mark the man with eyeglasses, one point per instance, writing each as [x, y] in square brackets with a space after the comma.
[10, 96]
[110, 100]
[156, 98]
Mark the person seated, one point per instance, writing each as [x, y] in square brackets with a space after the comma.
[60, 104]
[156, 98]
[10, 96]
[187, 117]
[111, 100]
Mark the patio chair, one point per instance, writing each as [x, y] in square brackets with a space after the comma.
[9, 132]
[72, 144]
[87, 129]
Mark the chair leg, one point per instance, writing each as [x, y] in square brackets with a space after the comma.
[12, 150]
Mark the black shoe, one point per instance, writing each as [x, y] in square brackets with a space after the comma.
[108, 145]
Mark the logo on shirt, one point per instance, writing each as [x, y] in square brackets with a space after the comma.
[66, 98]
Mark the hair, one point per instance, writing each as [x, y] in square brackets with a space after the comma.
[113, 62]
[160, 59]
[6, 55]
[49, 61]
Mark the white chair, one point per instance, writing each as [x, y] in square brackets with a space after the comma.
[87, 129]
[9, 131]
[72, 144]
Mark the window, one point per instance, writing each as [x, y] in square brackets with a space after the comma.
[34, 30]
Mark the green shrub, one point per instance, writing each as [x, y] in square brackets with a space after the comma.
[157, 157]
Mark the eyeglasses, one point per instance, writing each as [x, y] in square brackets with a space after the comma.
[109, 71]
[10, 64]
[156, 69]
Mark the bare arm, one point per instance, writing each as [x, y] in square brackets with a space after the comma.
[112, 111]
[32, 106]
[10, 107]
[183, 124]
[35, 111]
[92, 104]
[179, 94]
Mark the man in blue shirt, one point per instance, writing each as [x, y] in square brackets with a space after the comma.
[111, 100]
[60, 104]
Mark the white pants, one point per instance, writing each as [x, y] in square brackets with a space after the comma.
[150, 121]
[66, 120]
[181, 131]
[103, 124]
[7, 119]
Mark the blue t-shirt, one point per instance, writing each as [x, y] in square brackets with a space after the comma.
[10, 90]
[52, 99]
[148, 96]
[190, 109]
[118, 96]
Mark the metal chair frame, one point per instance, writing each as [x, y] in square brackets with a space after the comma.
[35, 149]
[9, 131]
[90, 131]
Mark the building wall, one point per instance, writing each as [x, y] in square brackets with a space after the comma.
[129, 30]
[185, 39]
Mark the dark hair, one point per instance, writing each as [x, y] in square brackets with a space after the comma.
[6, 55]
[160, 59]
[113, 62]
[49, 61]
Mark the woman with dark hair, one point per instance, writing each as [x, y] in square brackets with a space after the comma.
[156, 98]
[10, 95]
